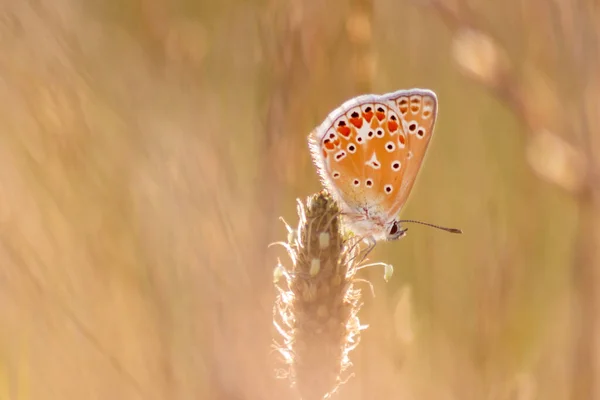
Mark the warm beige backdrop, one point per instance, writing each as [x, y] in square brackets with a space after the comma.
[147, 148]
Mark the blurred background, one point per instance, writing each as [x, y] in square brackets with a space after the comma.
[148, 147]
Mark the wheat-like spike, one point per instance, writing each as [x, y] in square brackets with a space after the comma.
[316, 309]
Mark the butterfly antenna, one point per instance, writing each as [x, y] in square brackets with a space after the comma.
[443, 228]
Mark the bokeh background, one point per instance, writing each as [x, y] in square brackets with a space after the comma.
[148, 147]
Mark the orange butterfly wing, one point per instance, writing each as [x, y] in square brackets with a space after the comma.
[369, 151]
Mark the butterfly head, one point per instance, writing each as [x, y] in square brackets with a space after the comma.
[394, 231]
[377, 228]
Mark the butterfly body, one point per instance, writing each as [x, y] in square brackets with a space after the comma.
[368, 153]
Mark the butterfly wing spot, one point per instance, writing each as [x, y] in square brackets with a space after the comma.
[367, 112]
[369, 183]
[403, 105]
[355, 117]
[360, 140]
[343, 128]
[328, 145]
[351, 148]
[388, 189]
[335, 175]
[390, 146]
[380, 133]
[370, 135]
[344, 131]
[331, 141]
[392, 125]
[373, 162]
[380, 113]
[401, 140]
[340, 155]
[421, 132]
[356, 183]
[357, 122]
[428, 105]
[415, 104]
[396, 164]
[412, 127]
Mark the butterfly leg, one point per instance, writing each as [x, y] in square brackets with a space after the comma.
[362, 253]
[371, 242]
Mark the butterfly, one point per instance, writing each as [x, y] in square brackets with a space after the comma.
[368, 153]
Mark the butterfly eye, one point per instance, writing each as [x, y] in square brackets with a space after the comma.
[396, 231]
